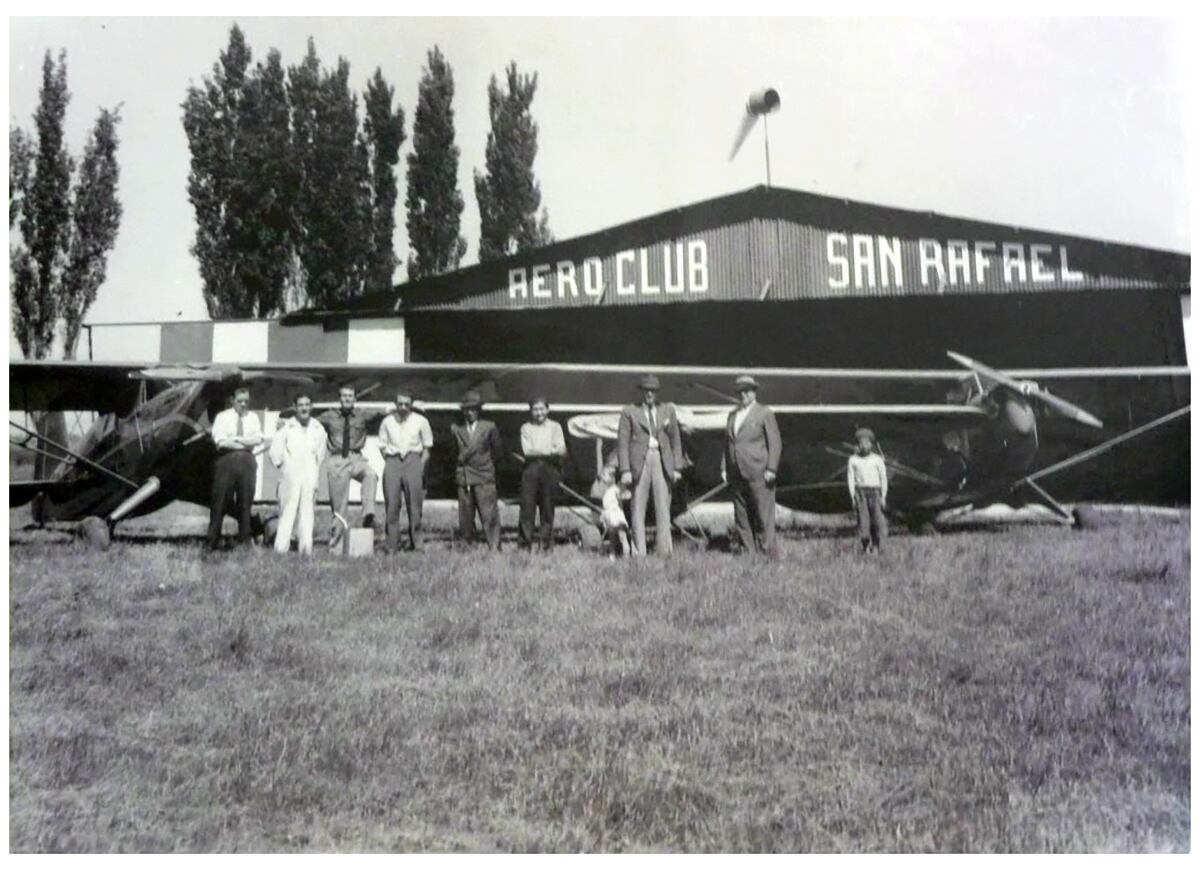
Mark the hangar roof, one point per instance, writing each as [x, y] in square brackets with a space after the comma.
[774, 244]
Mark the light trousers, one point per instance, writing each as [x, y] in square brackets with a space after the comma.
[297, 502]
[340, 471]
[653, 479]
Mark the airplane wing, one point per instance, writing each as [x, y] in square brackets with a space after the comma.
[569, 387]
[71, 385]
[713, 418]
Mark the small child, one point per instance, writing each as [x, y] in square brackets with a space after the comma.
[616, 526]
[866, 476]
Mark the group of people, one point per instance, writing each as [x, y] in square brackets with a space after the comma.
[647, 463]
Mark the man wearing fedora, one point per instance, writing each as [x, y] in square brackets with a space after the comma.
[478, 447]
[650, 455]
[752, 451]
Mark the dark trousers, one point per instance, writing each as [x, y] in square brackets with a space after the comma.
[539, 482]
[479, 498]
[234, 475]
[754, 513]
[872, 526]
[403, 479]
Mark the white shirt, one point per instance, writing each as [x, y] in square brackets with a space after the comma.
[299, 447]
[224, 430]
[868, 470]
[740, 416]
[397, 438]
[542, 439]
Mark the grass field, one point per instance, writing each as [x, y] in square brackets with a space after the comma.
[986, 691]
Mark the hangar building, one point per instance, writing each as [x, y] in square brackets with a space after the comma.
[764, 277]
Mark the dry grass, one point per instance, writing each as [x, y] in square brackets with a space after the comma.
[1016, 691]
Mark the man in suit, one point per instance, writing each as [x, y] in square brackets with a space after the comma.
[237, 434]
[650, 455]
[752, 450]
[478, 445]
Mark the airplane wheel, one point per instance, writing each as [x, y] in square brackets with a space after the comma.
[269, 527]
[589, 537]
[926, 529]
[1086, 518]
[96, 533]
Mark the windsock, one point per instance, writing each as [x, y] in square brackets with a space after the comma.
[760, 103]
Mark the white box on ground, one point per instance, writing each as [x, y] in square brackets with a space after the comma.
[358, 542]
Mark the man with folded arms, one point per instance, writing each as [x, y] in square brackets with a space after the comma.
[544, 448]
[405, 440]
[236, 433]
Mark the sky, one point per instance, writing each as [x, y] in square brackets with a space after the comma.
[1068, 125]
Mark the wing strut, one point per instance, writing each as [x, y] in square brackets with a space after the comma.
[76, 456]
[1092, 452]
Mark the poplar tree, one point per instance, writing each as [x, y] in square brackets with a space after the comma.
[333, 208]
[433, 200]
[508, 194]
[36, 261]
[241, 183]
[385, 134]
[58, 256]
[95, 219]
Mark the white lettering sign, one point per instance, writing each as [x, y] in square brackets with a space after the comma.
[858, 261]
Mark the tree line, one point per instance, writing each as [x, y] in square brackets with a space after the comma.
[294, 190]
[295, 195]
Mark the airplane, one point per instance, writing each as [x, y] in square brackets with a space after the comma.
[969, 435]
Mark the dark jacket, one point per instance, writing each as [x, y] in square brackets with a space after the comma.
[477, 454]
[755, 448]
[633, 439]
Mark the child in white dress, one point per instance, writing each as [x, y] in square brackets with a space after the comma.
[612, 515]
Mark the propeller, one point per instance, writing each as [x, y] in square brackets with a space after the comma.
[760, 103]
[1027, 388]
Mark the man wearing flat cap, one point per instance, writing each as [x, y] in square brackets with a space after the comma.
[478, 447]
[752, 451]
[650, 455]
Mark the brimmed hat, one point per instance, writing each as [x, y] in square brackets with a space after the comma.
[863, 432]
[746, 382]
[648, 382]
[471, 399]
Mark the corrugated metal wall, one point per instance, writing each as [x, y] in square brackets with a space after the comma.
[781, 260]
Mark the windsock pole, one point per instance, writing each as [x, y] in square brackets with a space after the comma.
[767, 149]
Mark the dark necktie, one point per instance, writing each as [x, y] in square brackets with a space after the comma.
[650, 414]
[240, 431]
[345, 434]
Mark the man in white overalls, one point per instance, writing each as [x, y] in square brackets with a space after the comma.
[298, 449]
